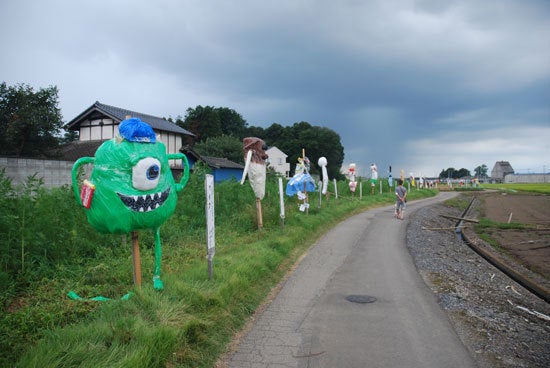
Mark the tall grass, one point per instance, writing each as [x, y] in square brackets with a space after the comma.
[48, 249]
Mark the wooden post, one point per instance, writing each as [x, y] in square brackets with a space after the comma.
[259, 213]
[136, 260]
[320, 194]
[281, 203]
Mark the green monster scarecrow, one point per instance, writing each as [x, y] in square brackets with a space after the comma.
[131, 186]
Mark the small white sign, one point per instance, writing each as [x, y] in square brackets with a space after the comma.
[210, 225]
[281, 198]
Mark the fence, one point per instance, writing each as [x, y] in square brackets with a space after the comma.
[54, 173]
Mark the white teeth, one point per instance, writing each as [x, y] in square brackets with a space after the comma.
[145, 202]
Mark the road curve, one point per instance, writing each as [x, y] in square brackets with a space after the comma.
[311, 323]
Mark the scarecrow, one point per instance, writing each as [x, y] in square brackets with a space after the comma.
[301, 182]
[373, 176]
[322, 162]
[131, 188]
[352, 180]
[255, 167]
[411, 178]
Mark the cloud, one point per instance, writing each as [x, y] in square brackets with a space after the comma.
[422, 85]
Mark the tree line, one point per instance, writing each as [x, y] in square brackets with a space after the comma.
[31, 125]
[452, 173]
[219, 133]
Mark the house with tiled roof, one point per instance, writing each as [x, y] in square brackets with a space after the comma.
[222, 168]
[100, 122]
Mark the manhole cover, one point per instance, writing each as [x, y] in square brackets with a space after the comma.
[360, 298]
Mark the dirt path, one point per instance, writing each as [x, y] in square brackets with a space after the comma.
[531, 246]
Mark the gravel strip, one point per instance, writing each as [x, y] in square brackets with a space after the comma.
[484, 305]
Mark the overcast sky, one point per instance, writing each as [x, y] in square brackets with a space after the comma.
[419, 85]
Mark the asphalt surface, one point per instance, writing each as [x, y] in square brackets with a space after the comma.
[311, 322]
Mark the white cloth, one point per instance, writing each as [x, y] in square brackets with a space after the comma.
[256, 175]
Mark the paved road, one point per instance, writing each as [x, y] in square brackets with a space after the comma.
[311, 323]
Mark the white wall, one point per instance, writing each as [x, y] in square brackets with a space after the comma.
[277, 161]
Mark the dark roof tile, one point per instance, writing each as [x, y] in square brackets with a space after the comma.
[119, 114]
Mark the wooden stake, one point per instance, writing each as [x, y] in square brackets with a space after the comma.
[460, 218]
[306, 199]
[259, 213]
[440, 228]
[136, 260]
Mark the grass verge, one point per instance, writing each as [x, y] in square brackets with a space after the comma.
[190, 322]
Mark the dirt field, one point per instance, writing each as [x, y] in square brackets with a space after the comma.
[531, 246]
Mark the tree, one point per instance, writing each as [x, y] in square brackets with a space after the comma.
[30, 122]
[69, 136]
[447, 174]
[452, 173]
[232, 122]
[204, 122]
[481, 171]
[463, 173]
[207, 122]
[316, 141]
[222, 146]
[254, 131]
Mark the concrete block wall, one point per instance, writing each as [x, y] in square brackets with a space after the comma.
[55, 173]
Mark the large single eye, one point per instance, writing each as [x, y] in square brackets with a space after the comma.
[146, 174]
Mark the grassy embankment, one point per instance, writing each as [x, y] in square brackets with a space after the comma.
[49, 249]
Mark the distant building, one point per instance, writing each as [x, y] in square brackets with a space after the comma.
[500, 170]
[222, 168]
[527, 178]
[277, 161]
[100, 122]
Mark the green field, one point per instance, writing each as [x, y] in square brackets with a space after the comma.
[48, 249]
[543, 188]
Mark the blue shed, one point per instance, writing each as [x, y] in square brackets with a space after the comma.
[222, 168]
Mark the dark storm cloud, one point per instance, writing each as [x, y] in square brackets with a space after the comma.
[421, 85]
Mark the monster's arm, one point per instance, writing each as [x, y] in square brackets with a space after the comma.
[81, 161]
[185, 177]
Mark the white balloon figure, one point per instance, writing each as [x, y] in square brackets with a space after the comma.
[323, 163]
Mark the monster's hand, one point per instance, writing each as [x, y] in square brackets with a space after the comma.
[185, 176]
[81, 161]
